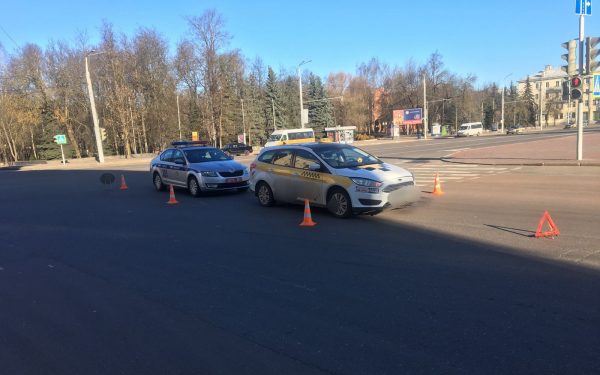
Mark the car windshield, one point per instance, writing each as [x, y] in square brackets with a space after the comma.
[346, 157]
[275, 137]
[202, 155]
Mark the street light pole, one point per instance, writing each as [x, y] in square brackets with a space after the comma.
[300, 90]
[425, 106]
[503, 88]
[580, 101]
[178, 118]
[243, 121]
[93, 105]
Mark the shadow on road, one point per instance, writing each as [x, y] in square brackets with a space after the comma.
[96, 280]
[520, 232]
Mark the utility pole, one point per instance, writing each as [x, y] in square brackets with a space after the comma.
[93, 105]
[579, 101]
[502, 119]
[541, 102]
[425, 106]
[455, 119]
[243, 120]
[178, 118]
[299, 92]
[273, 106]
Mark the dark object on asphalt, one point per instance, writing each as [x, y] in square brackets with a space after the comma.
[107, 178]
[237, 149]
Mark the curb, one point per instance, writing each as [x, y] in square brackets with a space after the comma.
[574, 163]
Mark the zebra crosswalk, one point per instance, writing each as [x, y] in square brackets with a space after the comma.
[449, 172]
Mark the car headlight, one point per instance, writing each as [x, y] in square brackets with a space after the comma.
[366, 182]
[209, 174]
[246, 171]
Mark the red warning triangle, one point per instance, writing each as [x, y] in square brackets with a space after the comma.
[553, 229]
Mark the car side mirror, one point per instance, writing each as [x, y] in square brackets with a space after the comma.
[314, 166]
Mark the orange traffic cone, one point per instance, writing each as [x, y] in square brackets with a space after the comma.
[123, 184]
[553, 228]
[172, 199]
[307, 222]
[437, 189]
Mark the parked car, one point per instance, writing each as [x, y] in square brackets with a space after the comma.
[197, 168]
[344, 179]
[237, 149]
[515, 129]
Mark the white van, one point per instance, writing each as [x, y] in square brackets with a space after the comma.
[290, 136]
[470, 128]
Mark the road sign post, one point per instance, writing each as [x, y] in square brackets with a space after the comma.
[61, 139]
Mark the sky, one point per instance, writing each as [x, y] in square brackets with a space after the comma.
[490, 39]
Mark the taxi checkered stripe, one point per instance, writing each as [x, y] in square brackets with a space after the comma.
[311, 175]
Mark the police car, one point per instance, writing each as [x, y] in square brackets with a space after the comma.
[199, 168]
[343, 178]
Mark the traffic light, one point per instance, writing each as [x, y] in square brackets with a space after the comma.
[576, 84]
[566, 90]
[103, 134]
[570, 57]
[591, 65]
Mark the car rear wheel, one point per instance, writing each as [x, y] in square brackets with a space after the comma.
[194, 187]
[339, 203]
[265, 194]
[158, 182]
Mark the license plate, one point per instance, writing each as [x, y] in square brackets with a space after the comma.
[233, 179]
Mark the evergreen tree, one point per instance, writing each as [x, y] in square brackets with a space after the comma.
[319, 109]
[273, 101]
[530, 106]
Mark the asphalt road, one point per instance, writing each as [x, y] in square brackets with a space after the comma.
[96, 281]
[436, 148]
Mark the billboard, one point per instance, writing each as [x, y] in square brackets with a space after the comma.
[413, 116]
[398, 116]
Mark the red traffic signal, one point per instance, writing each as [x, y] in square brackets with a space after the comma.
[575, 82]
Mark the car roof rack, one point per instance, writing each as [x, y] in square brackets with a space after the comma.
[188, 143]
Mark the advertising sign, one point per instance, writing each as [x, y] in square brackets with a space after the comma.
[195, 136]
[241, 138]
[413, 116]
[398, 116]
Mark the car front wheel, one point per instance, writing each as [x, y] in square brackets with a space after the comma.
[194, 187]
[158, 182]
[264, 195]
[339, 203]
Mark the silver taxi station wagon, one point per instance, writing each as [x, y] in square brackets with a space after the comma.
[343, 178]
[198, 168]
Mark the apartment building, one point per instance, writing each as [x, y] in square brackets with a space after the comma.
[546, 87]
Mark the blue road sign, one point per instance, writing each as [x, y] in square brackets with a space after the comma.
[413, 116]
[596, 87]
[583, 7]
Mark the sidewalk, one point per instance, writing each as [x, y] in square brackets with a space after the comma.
[549, 152]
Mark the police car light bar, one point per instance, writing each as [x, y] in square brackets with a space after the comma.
[188, 143]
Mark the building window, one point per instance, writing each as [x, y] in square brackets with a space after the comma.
[557, 84]
[547, 95]
[547, 84]
[560, 116]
